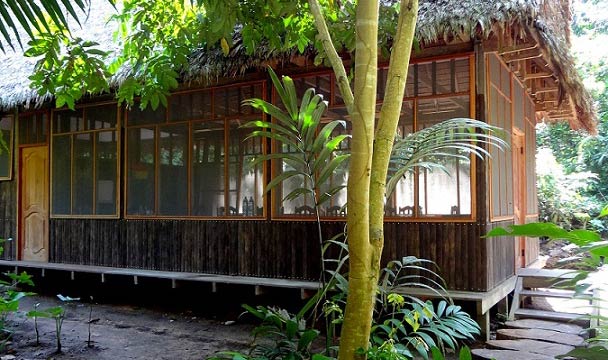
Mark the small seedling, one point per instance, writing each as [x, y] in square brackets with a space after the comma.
[37, 314]
[58, 313]
[91, 321]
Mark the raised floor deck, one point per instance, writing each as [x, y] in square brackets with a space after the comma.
[484, 300]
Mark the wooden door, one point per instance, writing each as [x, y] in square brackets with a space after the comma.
[519, 194]
[34, 213]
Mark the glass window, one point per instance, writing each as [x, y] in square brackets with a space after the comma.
[106, 144]
[6, 147]
[141, 171]
[198, 161]
[84, 156]
[173, 170]
[208, 169]
[61, 180]
[438, 90]
[33, 128]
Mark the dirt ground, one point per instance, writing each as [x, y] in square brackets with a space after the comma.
[123, 332]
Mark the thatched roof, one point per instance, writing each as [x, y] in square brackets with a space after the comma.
[541, 21]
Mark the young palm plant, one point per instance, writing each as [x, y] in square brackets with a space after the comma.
[308, 146]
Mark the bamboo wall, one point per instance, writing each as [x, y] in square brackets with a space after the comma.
[8, 217]
[278, 249]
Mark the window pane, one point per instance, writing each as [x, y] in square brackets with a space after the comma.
[191, 106]
[6, 127]
[33, 129]
[82, 200]
[105, 170]
[137, 116]
[61, 180]
[173, 177]
[68, 120]
[208, 169]
[101, 117]
[227, 102]
[140, 171]
[424, 76]
[462, 79]
[335, 206]
[444, 191]
[401, 200]
[246, 179]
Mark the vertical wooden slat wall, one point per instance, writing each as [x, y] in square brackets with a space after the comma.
[277, 249]
[8, 218]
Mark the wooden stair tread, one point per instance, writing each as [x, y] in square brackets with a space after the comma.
[540, 334]
[563, 294]
[546, 325]
[551, 316]
[507, 355]
[543, 278]
[531, 346]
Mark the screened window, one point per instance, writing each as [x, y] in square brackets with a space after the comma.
[33, 128]
[435, 91]
[500, 114]
[193, 158]
[6, 147]
[84, 160]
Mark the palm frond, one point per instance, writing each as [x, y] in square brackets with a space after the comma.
[429, 148]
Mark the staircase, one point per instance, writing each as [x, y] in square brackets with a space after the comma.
[545, 287]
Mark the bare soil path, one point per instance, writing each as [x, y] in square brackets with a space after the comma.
[123, 332]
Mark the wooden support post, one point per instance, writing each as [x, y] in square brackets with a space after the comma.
[103, 278]
[42, 274]
[259, 290]
[516, 303]
[483, 320]
[135, 280]
[173, 284]
[72, 275]
[213, 287]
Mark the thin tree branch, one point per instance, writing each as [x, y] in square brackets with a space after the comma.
[332, 55]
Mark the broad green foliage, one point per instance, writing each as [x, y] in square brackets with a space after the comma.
[79, 61]
[591, 244]
[157, 37]
[10, 297]
[580, 154]
[308, 146]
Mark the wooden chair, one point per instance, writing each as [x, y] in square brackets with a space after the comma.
[455, 210]
[406, 211]
[335, 211]
[304, 210]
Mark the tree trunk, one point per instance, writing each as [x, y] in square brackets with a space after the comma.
[362, 287]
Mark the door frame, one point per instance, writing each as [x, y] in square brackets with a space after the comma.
[519, 192]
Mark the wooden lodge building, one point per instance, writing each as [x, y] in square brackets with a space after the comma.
[172, 193]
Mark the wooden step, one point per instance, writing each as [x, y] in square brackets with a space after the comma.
[544, 278]
[532, 346]
[540, 334]
[507, 355]
[546, 325]
[550, 293]
[578, 319]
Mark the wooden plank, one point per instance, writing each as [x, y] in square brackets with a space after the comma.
[540, 334]
[546, 325]
[551, 316]
[531, 346]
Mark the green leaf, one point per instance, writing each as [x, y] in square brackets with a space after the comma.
[465, 353]
[604, 212]
[592, 353]
[550, 230]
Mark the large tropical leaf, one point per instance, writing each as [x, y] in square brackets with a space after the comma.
[429, 148]
[36, 16]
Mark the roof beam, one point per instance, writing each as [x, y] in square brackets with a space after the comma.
[524, 55]
[518, 48]
[538, 75]
[545, 90]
